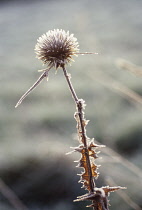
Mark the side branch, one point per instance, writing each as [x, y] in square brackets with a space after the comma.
[43, 75]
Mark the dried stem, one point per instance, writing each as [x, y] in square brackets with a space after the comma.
[79, 106]
[68, 78]
[84, 138]
[126, 65]
[116, 86]
[11, 197]
[44, 74]
[98, 196]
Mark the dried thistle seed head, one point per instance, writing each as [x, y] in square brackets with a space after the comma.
[56, 47]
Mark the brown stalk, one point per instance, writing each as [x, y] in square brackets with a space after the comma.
[87, 147]
[83, 131]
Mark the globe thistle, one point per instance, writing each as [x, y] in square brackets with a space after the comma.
[56, 47]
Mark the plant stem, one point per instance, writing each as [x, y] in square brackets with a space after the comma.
[79, 104]
[68, 77]
[84, 139]
[11, 197]
[42, 76]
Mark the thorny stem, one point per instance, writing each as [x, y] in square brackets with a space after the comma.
[83, 131]
[84, 138]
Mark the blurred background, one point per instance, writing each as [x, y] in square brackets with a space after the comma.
[35, 173]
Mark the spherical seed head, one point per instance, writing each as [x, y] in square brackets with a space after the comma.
[56, 47]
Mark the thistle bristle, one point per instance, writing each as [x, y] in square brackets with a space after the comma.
[56, 47]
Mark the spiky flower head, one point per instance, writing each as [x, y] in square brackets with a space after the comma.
[56, 47]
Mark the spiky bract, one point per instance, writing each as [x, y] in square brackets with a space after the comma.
[56, 47]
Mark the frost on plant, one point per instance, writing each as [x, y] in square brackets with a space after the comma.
[55, 49]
